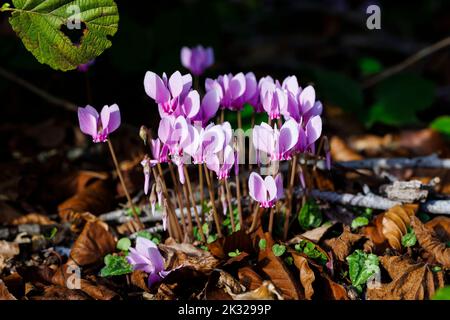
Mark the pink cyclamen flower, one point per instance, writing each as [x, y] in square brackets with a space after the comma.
[173, 95]
[221, 163]
[146, 257]
[309, 135]
[209, 106]
[99, 126]
[204, 142]
[146, 165]
[197, 59]
[265, 191]
[276, 143]
[231, 89]
[274, 99]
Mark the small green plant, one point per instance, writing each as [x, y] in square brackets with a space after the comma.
[123, 244]
[310, 215]
[359, 222]
[234, 254]
[278, 249]
[115, 266]
[309, 249]
[409, 239]
[262, 244]
[361, 267]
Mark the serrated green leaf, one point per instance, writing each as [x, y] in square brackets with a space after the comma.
[361, 267]
[310, 215]
[39, 24]
[359, 222]
[115, 266]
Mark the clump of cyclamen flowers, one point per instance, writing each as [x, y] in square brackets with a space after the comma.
[193, 131]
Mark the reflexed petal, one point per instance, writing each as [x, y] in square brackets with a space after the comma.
[279, 184]
[307, 98]
[237, 85]
[313, 129]
[191, 105]
[263, 139]
[271, 187]
[143, 244]
[155, 87]
[288, 135]
[228, 158]
[210, 105]
[110, 117]
[212, 162]
[165, 129]
[176, 84]
[256, 187]
[88, 122]
[156, 258]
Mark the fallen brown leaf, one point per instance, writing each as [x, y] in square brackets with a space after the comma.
[187, 256]
[374, 232]
[97, 291]
[340, 151]
[249, 278]
[139, 279]
[8, 249]
[94, 242]
[306, 275]
[342, 245]
[333, 290]
[410, 280]
[267, 291]
[430, 243]
[4, 293]
[61, 293]
[96, 198]
[33, 218]
[441, 227]
[274, 268]
[396, 222]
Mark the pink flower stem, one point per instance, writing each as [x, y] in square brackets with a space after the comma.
[230, 208]
[211, 199]
[272, 213]
[255, 217]
[238, 196]
[124, 187]
[201, 187]
[290, 195]
[180, 201]
[197, 218]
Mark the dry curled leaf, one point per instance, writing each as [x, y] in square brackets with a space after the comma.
[396, 222]
[97, 291]
[249, 278]
[410, 280]
[342, 245]
[274, 268]
[267, 291]
[441, 227]
[313, 235]
[333, 290]
[188, 256]
[139, 279]
[306, 275]
[94, 242]
[61, 293]
[4, 293]
[96, 198]
[430, 243]
[33, 218]
[374, 232]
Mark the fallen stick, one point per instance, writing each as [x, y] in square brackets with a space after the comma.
[376, 202]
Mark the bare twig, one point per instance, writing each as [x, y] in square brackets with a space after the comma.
[376, 202]
[69, 106]
[408, 62]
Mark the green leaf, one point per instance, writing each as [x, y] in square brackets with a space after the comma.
[442, 125]
[289, 260]
[211, 238]
[310, 215]
[262, 244]
[5, 7]
[115, 266]
[123, 244]
[399, 98]
[309, 249]
[361, 267]
[278, 249]
[424, 217]
[409, 239]
[129, 212]
[52, 233]
[442, 294]
[369, 66]
[234, 253]
[40, 25]
[145, 234]
[359, 222]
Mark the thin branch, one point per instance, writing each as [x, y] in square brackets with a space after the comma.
[408, 62]
[376, 202]
[69, 106]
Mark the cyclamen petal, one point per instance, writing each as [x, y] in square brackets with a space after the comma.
[266, 191]
[99, 126]
[197, 59]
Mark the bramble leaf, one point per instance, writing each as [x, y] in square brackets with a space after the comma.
[45, 26]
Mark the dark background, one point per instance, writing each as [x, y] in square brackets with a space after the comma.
[280, 38]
